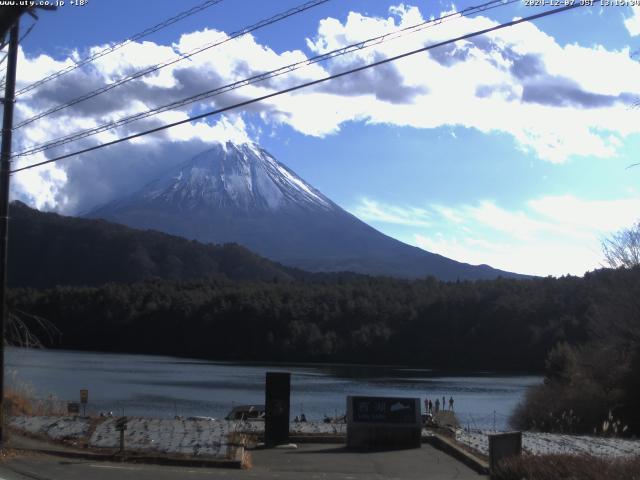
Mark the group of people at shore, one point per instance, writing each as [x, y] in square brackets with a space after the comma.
[434, 407]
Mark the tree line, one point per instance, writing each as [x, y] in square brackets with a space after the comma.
[502, 324]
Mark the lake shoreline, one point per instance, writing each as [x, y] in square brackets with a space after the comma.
[434, 370]
[165, 387]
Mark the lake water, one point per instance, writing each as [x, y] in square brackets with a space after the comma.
[147, 385]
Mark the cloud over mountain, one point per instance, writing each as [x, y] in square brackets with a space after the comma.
[520, 81]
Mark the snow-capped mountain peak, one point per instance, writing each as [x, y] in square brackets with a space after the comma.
[244, 176]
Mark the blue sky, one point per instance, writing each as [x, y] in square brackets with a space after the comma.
[510, 151]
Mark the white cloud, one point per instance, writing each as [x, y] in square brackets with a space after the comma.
[551, 235]
[633, 22]
[43, 187]
[372, 211]
[540, 258]
[589, 215]
[588, 118]
[517, 224]
[519, 81]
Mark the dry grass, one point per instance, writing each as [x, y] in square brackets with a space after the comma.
[247, 461]
[568, 467]
[19, 399]
[16, 403]
[7, 454]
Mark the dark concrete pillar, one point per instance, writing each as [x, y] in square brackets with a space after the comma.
[277, 401]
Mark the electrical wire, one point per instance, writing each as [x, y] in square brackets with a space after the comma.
[263, 76]
[113, 48]
[7, 54]
[305, 85]
[26, 34]
[141, 73]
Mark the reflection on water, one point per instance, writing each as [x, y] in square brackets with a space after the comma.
[164, 386]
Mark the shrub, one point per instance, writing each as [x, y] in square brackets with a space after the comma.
[17, 403]
[552, 407]
[583, 392]
[21, 401]
[567, 467]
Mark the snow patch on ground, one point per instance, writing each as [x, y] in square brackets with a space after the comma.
[197, 437]
[190, 437]
[56, 428]
[202, 437]
[544, 443]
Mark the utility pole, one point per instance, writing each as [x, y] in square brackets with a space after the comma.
[5, 167]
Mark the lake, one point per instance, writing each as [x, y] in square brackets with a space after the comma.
[145, 385]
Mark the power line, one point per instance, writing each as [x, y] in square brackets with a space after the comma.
[24, 35]
[263, 76]
[113, 48]
[260, 77]
[304, 85]
[141, 73]
[251, 80]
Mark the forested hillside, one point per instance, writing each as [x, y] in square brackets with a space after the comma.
[47, 249]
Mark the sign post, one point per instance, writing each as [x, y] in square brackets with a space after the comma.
[277, 402]
[84, 399]
[121, 425]
[73, 408]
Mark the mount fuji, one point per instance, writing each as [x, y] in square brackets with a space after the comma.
[240, 193]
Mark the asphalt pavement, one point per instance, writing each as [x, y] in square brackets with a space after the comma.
[309, 461]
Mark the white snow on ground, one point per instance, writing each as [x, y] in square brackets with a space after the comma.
[155, 435]
[191, 437]
[543, 443]
[202, 437]
[56, 428]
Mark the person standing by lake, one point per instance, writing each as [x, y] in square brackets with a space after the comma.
[450, 403]
[437, 405]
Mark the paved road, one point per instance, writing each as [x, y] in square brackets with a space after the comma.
[326, 462]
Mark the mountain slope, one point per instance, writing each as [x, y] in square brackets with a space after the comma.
[46, 249]
[240, 193]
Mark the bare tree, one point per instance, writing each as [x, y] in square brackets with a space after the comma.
[622, 249]
[618, 318]
[30, 331]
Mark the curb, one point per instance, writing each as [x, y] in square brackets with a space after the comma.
[450, 448]
[237, 462]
